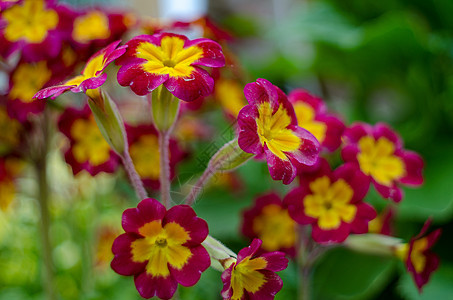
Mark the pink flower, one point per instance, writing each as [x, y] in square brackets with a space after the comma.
[332, 203]
[380, 155]
[39, 37]
[270, 221]
[92, 75]
[268, 128]
[171, 60]
[161, 248]
[312, 115]
[420, 261]
[88, 149]
[253, 276]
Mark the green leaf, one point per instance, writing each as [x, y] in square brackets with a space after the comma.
[439, 287]
[343, 274]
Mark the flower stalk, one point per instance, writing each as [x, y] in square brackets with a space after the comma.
[227, 158]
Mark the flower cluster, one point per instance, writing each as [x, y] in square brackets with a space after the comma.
[314, 194]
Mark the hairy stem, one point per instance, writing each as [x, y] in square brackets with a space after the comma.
[198, 187]
[164, 174]
[133, 175]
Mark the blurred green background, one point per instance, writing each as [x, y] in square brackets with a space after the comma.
[372, 61]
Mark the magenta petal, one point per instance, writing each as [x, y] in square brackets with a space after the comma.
[212, 53]
[141, 82]
[185, 216]
[278, 168]
[124, 265]
[276, 261]
[261, 91]
[358, 181]
[190, 273]
[382, 130]
[132, 220]
[54, 91]
[93, 82]
[414, 167]
[150, 209]
[294, 200]
[330, 236]
[250, 250]
[309, 149]
[349, 153]
[227, 292]
[394, 192]
[335, 129]
[198, 84]
[357, 131]
[149, 286]
[248, 138]
[270, 288]
[365, 213]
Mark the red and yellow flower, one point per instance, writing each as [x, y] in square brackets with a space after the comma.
[31, 26]
[268, 128]
[171, 60]
[380, 155]
[88, 149]
[92, 76]
[253, 276]
[99, 27]
[144, 150]
[420, 261]
[161, 248]
[269, 220]
[332, 203]
[10, 168]
[311, 113]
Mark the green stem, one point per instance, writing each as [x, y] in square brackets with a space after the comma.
[133, 175]
[164, 174]
[43, 197]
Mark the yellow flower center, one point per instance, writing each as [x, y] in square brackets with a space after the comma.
[160, 247]
[29, 21]
[272, 130]
[245, 276]
[418, 258]
[7, 193]
[9, 131]
[377, 159]
[306, 119]
[169, 58]
[275, 228]
[93, 66]
[230, 96]
[145, 155]
[93, 25]
[329, 203]
[29, 79]
[89, 143]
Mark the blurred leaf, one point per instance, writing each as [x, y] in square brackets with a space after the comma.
[439, 287]
[343, 274]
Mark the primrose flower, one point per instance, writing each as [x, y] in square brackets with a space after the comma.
[417, 255]
[311, 113]
[228, 92]
[105, 238]
[380, 155]
[270, 221]
[98, 26]
[253, 276]
[88, 150]
[161, 248]
[268, 128]
[332, 203]
[92, 75]
[382, 224]
[144, 150]
[32, 27]
[171, 60]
